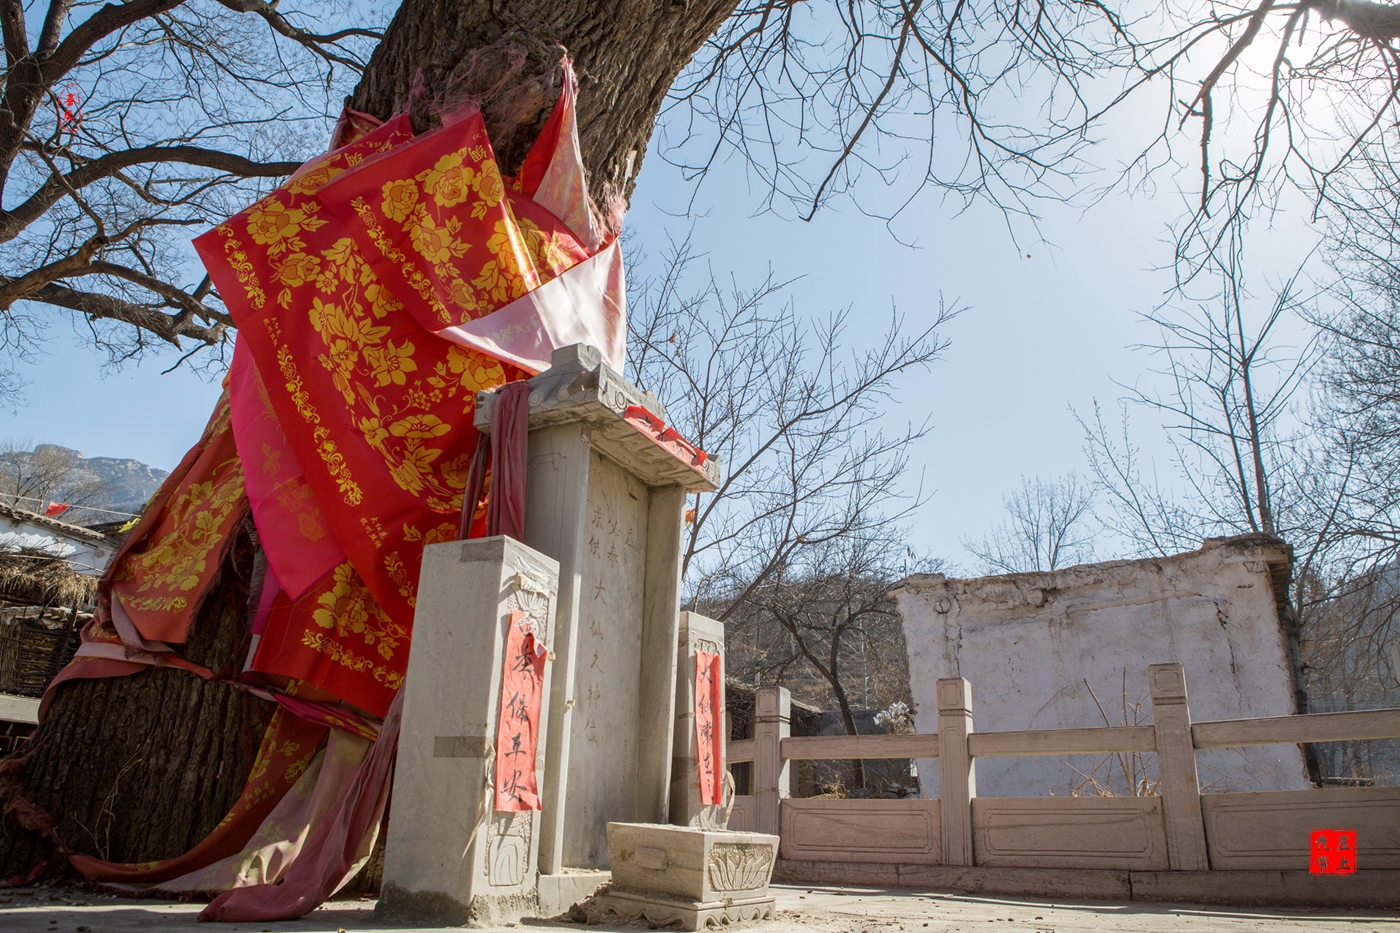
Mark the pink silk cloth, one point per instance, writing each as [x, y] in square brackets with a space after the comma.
[334, 847]
[292, 529]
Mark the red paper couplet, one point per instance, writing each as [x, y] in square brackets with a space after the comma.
[1333, 852]
[708, 738]
[518, 727]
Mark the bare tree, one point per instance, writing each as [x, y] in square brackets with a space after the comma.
[838, 631]
[795, 417]
[1049, 525]
[1225, 413]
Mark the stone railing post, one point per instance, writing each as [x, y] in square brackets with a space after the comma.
[1176, 769]
[772, 716]
[957, 772]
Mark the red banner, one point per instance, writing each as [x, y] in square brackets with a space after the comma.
[709, 750]
[518, 727]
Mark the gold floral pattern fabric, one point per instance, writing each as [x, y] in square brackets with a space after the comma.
[173, 557]
[376, 408]
[443, 227]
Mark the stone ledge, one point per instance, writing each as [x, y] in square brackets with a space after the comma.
[1372, 889]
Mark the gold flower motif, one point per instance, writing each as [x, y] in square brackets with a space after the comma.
[273, 222]
[432, 241]
[419, 426]
[298, 269]
[389, 363]
[399, 199]
[448, 180]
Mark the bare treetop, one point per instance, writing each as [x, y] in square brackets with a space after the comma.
[131, 127]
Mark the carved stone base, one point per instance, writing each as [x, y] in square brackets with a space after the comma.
[657, 910]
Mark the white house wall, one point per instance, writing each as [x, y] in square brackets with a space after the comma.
[1033, 645]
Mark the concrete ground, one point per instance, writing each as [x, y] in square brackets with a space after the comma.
[801, 909]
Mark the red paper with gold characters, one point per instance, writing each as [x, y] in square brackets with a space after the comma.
[518, 725]
[709, 751]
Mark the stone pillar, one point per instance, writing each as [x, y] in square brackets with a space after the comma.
[696, 632]
[957, 773]
[605, 495]
[772, 717]
[1176, 769]
[660, 629]
[556, 515]
[450, 857]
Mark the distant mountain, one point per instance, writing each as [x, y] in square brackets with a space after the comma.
[129, 482]
[120, 484]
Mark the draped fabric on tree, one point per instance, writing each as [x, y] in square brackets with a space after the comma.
[375, 293]
[287, 749]
[155, 583]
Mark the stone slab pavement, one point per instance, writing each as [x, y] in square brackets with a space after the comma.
[801, 909]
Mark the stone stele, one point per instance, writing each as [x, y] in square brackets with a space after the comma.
[450, 857]
[664, 875]
[607, 502]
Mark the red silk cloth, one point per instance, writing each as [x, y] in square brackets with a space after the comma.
[375, 408]
[518, 725]
[709, 748]
[505, 449]
[293, 531]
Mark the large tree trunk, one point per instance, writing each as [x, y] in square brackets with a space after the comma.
[627, 54]
[142, 767]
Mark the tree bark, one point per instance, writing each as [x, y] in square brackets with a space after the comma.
[627, 54]
[143, 767]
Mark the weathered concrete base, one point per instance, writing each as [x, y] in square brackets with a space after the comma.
[557, 893]
[658, 910]
[1373, 889]
[433, 908]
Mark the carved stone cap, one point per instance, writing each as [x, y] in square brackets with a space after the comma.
[954, 695]
[580, 388]
[1167, 683]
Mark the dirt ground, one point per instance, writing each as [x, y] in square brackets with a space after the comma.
[800, 910]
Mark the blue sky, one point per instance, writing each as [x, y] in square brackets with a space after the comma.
[1048, 325]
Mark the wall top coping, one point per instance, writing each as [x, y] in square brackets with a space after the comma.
[1273, 555]
[580, 388]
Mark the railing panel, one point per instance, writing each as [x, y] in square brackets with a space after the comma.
[823, 829]
[1290, 730]
[1062, 742]
[739, 750]
[846, 747]
[1069, 832]
[1272, 829]
[741, 818]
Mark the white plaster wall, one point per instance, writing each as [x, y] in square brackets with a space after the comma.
[1040, 649]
